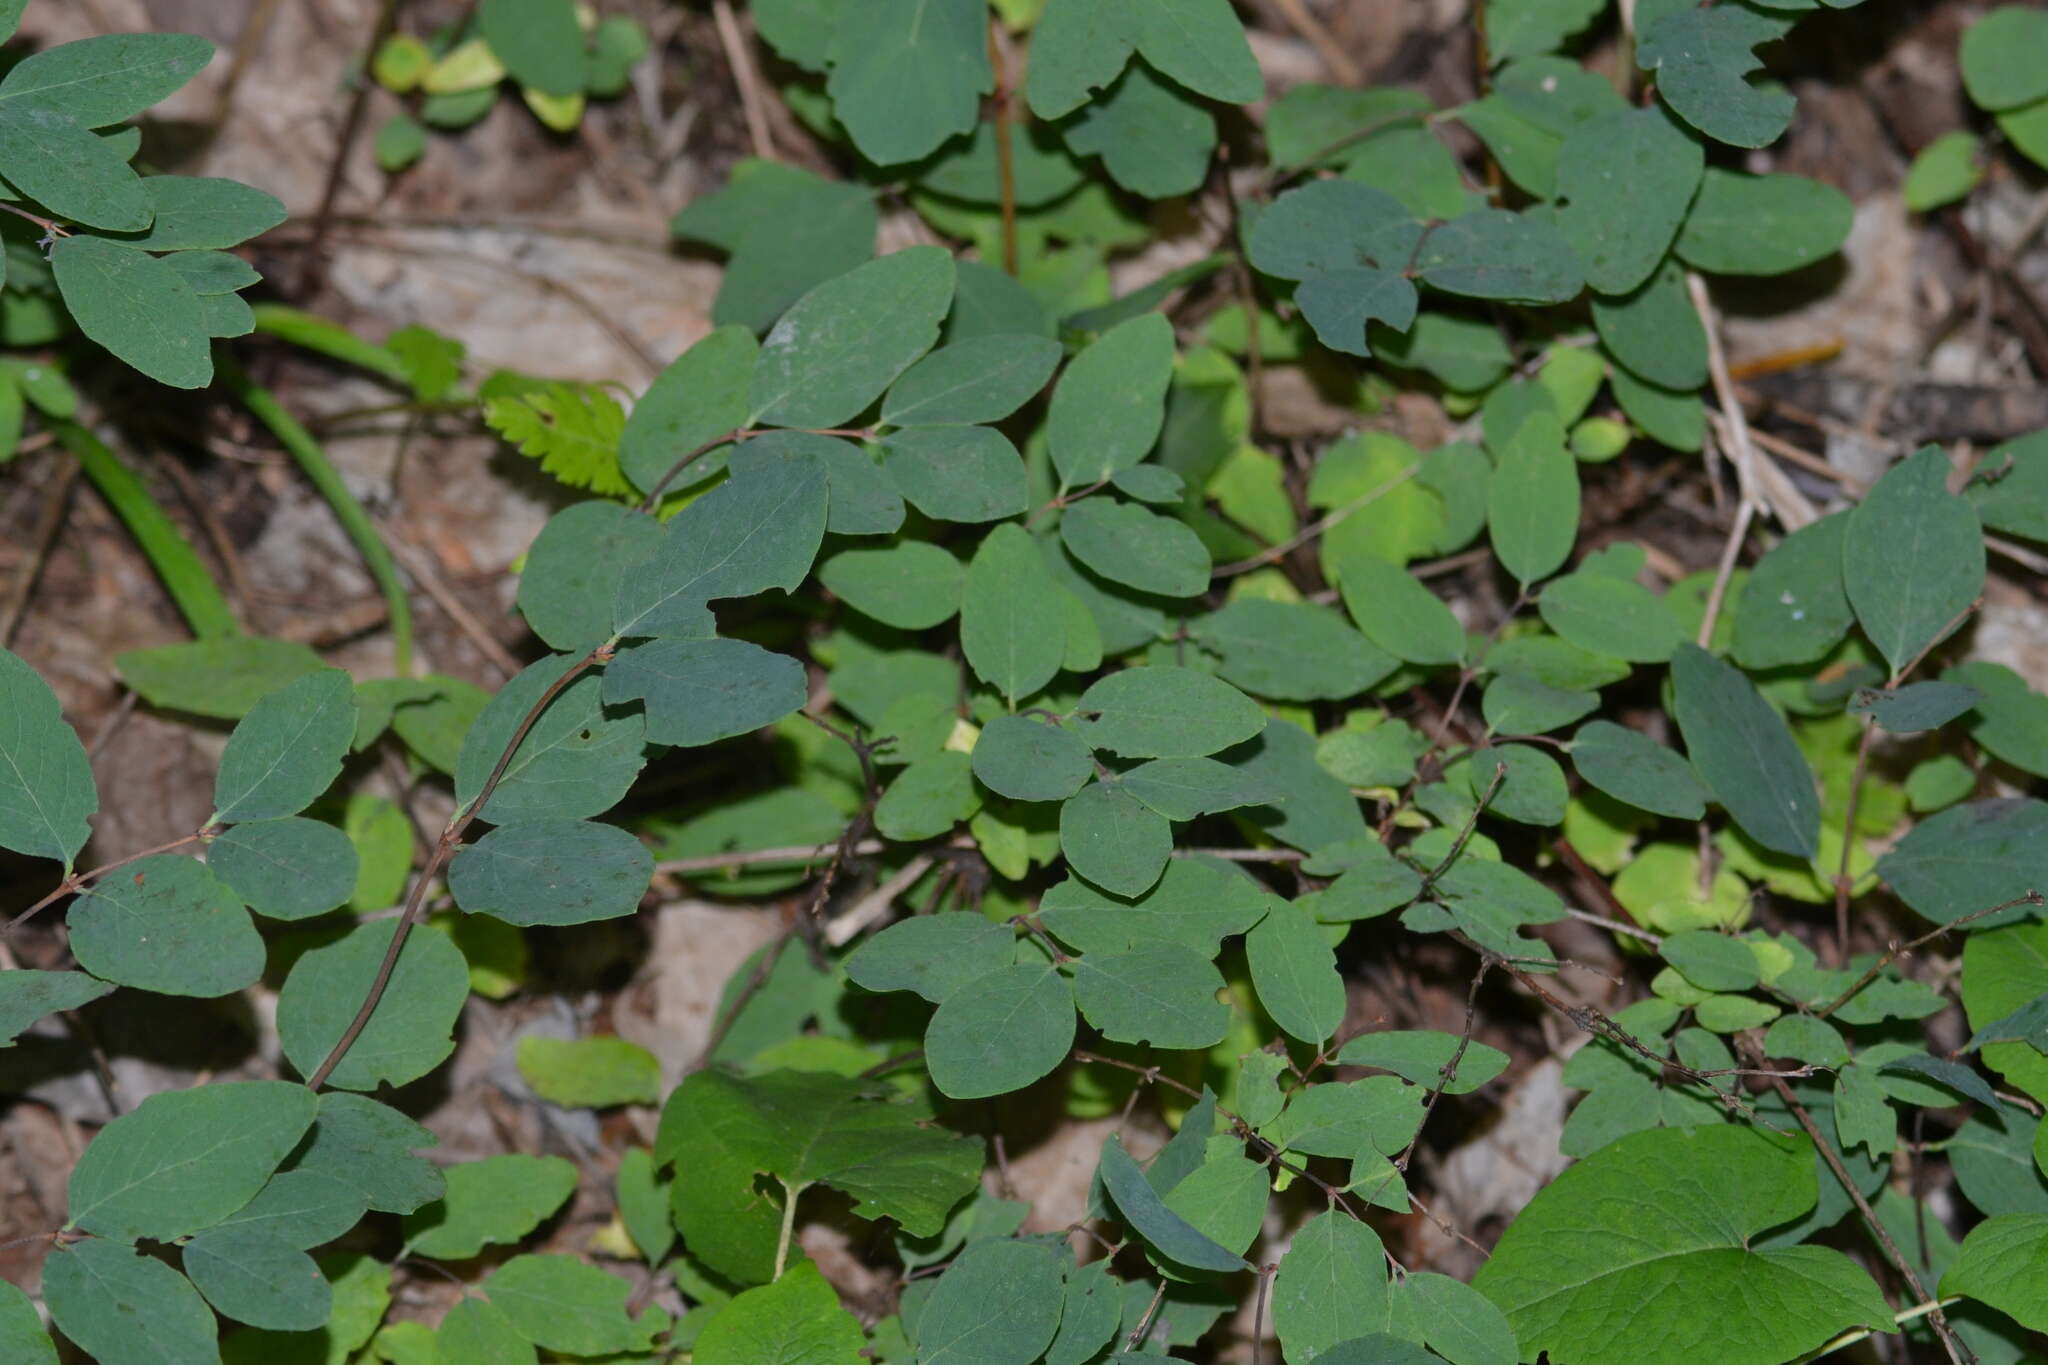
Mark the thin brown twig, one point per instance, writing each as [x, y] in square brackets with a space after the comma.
[337, 169]
[1006, 173]
[744, 76]
[1899, 950]
[79, 880]
[42, 540]
[1332, 53]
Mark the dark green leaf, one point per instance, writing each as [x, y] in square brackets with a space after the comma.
[1343, 304]
[844, 342]
[1423, 1056]
[567, 1305]
[552, 872]
[1154, 138]
[1164, 1230]
[956, 473]
[27, 995]
[931, 796]
[104, 80]
[1108, 407]
[1295, 974]
[183, 1160]
[913, 585]
[1079, 47]
[1012, 629]
[1669, 416]
[1915, 707]
[933, 955]
[369, 1147]
[202, 213]
[982, 379]
[1000, 1032]
[1494, 254]
[539, 42]
[21, 1328]
[1703, 59]
[1184, 788]
[476, 1329]
[287, 750]
[1331, 1286]
[1762, 224]
[1794, 608]
[1398, 613]
[1163, 994]
[1608, 615]
[252, 1275]
[1655, 332]
[46, 786]
[1912, 558]
[1996, 58]
[489, 1202]
[573, 569]
[1744, 753]
[1291, 651]
[1127, 544]
[1533, 502]
[135, 306]
[1711, 961]
[165, 924]
[1197, 903]
[1029, 759]
[1993, 1158]
[1164, 712]
[1531, 790]
[1515, 705]
[301, 1209]
[1309, 809]
[1971, 857]
[1950, 1074]
[2011, 718]
[575, 761]
[289, 868]
[1114, 840]
[1523, 28]
[698, 692]
[411, 1031]
[643, 1205]
[909, 75]
[701, 395]
[999, 1302]
[787, 231]
[124, 1306]
[1634, 768]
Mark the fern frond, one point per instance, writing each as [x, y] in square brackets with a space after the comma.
[572, 429]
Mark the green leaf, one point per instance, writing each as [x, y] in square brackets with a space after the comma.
[1632, 767]
[1915, 707]
[1993, 1159]
[1012, 628]
[913, 585]
[496, 1200]
[698, 396]
[1670, 417]
[1912, 558]
[1969, 858]
[571, 428]
[909, 76]
[165, 924]
[1295, 974]
[125, 1306]
[1711, 961]
[787, 231]
[2002, 1263]
[552, 872]
[1029, 759]
[135, 306]
[1794, 609]
[1140, 549]
[803, 1128]
[1995, 56]
[104, 80]
[411, 1031]
[1154, 138]
[369, 1147]
[795, 1321]
[21, 1328]
[1532, 505]
[1685, 1256]
[1608, 615]
[1762, 224]
[27, 995]
[999, 1302]
[539, 42]
[1109, 406]
[1531, 790]
[1197, 903]
[1423, 1056]
[252, 1275]
[1703, 59]
[573, 569]
[643, 1205]
[1113, 839]
[844, 342]
[1524, 28]
[1459, 1323]
[981, 379]
[183, 1160]
[957, 473]
[290, 868]
[697, 692]
[575, 761]
[563, 1304]
[300, 1209]
[46, 786]
[476, 1329]
[2011, 719]
[1163, 994]
[1079, 47]
[1655, 332]
[1398, 613]
[287, 750]
[759, 529]
[1184, 788]
[220, 678]
[1310, 809]
[1000, 1032]
[1167, 712]
[589, 1073]
[1292, 651]
[1516, 705]
[1331, 1286]
[203, 213]
[1943, 171]
[1745, 754]
[1171, 1235]
[1495, 254]
[933, 955]
[931, 796]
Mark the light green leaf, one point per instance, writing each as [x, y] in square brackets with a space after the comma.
[1703, 58]
[563, 1304]
[287, 750]
[1762, 224]
[981, 379]
[1163, 994]
[795, 1321]
[1113, 839]
[411, 1031]
[183, 1160]
[220, 678]
[104, 80]
[1912, 558]
[369, 1147]
[575, 761]
[1996, 58]
[496, 1200]
[1457, 1321]
[46, 786]
[759, 529]
[1292, 651]
[1029, 759]
[1794, 609]
[1668, 416]
[573, 568]
[21, 1328]
[1197, 903]
[2002, 1263]
[166, 924]
[1655, 332]
[134, 305]
[1167, 712]
[999, 1302]
[589, 1073]
[1107, 409]
[643, 1205]
[1398, 613]
[933, 955]
[252, 1275]
[290, 868]
[539, 42]
[909, 76]
[1331, 1286]
[552, 872]
[1000, 1032]
[1745, 754]
[697, 692]
[477, 1330]
[125, 1306]
[1559, 1274]
[1533, 502]
[1012, 628]
[1080, 47]
[1632, 767]
[1943, 171]
[698, 396]
[1608, 615]
[844, 342]
[1295, 974]
[913, 585]
[1154, 138]
[1423, 1056]
[930, 796]
[1140, 549]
